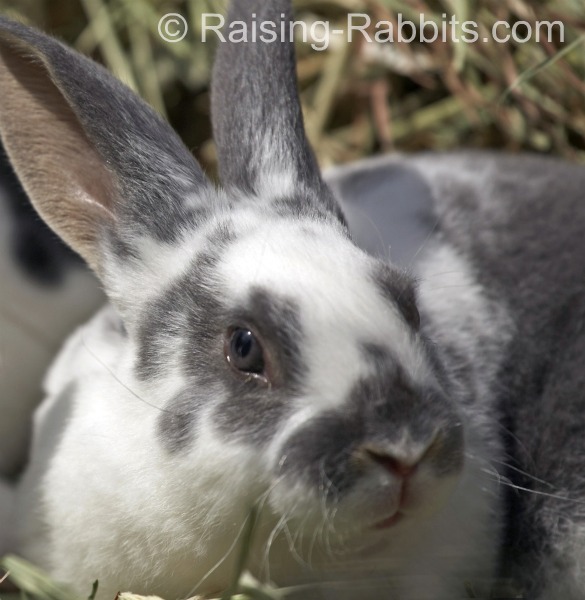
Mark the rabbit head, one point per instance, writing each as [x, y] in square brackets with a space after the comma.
[285, 363]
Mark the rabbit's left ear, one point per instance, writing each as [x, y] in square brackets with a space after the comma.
[256, 111]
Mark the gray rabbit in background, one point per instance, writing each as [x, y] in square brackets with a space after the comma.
[400, 430]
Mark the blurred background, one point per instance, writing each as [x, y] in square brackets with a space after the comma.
[360, 98]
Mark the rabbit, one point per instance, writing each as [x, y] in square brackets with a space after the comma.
[251, 355]
[514, 228]
[46, 291]
[253, 359]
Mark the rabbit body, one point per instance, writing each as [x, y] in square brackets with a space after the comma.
[253, 356]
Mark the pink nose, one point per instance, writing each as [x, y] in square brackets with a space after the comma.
[396, 466]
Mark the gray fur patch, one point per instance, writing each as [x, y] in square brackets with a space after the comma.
[188, 324]
[379, 410]
[184, 326]
[177, 424]
[399, 288]
[251, 410]
[193, 301]
[376, 354]
[308, 206]
[388, 207]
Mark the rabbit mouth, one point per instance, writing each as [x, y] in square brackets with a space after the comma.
[390, 522]
[398, 514]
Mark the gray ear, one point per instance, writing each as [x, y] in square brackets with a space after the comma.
[100, 166]
[256, 111]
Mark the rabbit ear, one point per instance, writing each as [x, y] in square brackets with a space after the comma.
[100, 166]
[256, 111]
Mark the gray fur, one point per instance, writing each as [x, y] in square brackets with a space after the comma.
[505, 346]
[399, 288]
[389, 205]
[191, 320]
[524, 231]
[261, 132]
[177, 423]
[378, 412]
[188, 316]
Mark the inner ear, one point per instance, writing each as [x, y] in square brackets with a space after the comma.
[61, 172]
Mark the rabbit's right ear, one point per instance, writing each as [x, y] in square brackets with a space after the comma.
[100, 166]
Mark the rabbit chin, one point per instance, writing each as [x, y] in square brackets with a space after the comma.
[364, 539]
[368, 515]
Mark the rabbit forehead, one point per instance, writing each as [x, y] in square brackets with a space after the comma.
[340, 292]
[303, 260]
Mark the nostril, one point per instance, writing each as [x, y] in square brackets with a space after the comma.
[394, 465]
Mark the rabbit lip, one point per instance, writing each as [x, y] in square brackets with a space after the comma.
[390, 521]
[398, 514]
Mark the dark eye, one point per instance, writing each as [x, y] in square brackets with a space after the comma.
[244, 352]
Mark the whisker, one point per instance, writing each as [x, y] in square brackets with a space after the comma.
[222, 559]
[506, 481]
[423, 245]
[269, 542]
[292, 547]
[443, 273]
[526, 474]
[119, 381]
[491, 462]
[447, 287]
[518, 441]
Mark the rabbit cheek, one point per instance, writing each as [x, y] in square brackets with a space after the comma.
[178, 422]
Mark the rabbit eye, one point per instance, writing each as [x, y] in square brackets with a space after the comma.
[244, 352]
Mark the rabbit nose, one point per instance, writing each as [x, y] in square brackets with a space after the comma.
[401, 462]
[401, 467]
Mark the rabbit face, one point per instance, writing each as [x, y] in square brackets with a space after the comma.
[284, 342]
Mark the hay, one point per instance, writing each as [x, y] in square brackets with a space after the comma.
[362, 98]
